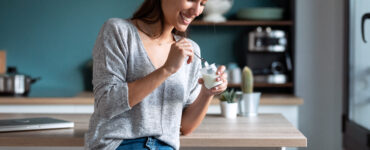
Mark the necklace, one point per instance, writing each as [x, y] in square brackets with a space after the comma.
[152, 35]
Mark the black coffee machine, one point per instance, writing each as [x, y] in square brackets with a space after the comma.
[266, 52]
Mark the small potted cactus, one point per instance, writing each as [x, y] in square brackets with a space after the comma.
[248, 104]
[229, 105]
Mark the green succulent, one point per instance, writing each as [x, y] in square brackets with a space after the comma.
[228, 96]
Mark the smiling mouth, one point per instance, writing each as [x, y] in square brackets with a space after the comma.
[185, 19]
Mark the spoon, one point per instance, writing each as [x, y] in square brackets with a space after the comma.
[202, 59]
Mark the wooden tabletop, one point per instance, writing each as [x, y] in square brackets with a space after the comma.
[266, 130]
[86, 98]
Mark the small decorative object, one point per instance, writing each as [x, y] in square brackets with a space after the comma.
[214, 10]
[248, 104]
[234, 73]
[229, 105]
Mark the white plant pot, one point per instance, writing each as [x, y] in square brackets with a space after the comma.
[214, 10]
[229, 110]
[248, 104]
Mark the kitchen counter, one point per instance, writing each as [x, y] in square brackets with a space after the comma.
[267, 131]
[86, 98]
[83, 103]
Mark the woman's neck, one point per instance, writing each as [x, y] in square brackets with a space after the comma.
[153, 31]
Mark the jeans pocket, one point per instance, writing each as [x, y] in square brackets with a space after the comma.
[133, 144]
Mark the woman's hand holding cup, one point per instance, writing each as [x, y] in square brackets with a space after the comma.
[222, 77]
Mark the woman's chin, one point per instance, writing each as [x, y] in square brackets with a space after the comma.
[182, 28]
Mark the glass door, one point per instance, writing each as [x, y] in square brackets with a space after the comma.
[356, 118]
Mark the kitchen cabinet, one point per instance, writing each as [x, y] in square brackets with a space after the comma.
[260, 62]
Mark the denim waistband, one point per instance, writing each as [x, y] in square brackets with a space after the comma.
[150, 143]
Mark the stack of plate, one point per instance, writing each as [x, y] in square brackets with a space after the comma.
[261, 13]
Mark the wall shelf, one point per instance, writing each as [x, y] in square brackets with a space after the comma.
[243, 23]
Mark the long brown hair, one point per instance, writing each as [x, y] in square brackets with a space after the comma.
[150, 12]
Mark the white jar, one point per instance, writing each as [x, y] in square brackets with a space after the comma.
[235, 75]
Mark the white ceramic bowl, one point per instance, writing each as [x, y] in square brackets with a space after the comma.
[214, 10]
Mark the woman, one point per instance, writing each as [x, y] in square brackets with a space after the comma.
[146, 81]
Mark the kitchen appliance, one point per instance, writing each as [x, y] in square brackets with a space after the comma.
[271, 79]
[272, 75]
[267, 40]
[15, 84]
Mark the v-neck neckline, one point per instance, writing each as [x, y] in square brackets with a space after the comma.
[141, 43]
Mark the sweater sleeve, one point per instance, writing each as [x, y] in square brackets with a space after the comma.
[195, 86]
[109, 72]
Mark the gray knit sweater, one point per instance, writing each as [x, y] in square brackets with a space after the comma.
[119, 57]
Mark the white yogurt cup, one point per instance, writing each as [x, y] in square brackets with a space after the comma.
[210, 80]
[209, 76]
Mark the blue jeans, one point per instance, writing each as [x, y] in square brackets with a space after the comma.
[146, 143]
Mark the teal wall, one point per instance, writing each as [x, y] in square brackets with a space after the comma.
[54, 38]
